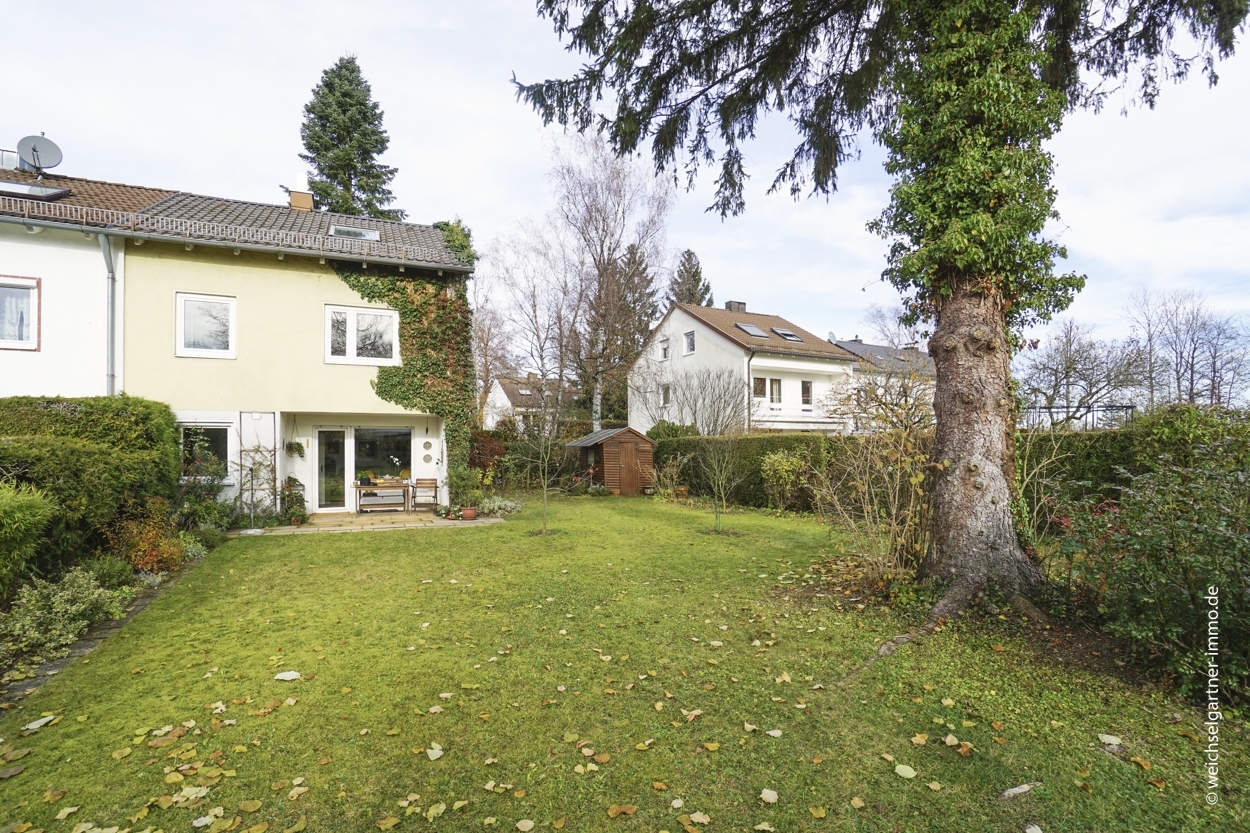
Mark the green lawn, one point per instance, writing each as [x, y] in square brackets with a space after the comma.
[628, 628]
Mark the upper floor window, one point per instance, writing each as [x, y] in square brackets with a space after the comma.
[206, 326]
[774, 391]
[690, 342]
[664, 349]
[362, 336]
[19, 314]
[806, 391]
[759, 387]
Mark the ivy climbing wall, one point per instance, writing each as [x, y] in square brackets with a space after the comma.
[436, 374]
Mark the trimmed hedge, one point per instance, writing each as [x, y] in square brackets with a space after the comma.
[750, 491]
[124, 422]
[91, 483]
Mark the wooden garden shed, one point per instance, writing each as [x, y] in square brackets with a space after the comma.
[618, 458]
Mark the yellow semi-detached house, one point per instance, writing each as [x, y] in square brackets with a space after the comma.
[233, 314]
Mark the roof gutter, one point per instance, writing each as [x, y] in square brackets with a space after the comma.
[115, 231]
[110, 318]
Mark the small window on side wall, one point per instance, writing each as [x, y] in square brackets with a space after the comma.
[666, 395]
[206, 326]
[807, 392]
[689, 342]
[664, 349]
[19, 314]
[362, 336]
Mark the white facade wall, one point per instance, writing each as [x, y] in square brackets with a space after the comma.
[70, 359]
[714, 351]
[497, 406]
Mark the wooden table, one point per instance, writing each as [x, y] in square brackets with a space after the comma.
[402, 486]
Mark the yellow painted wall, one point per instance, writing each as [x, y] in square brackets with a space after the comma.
[280, 352]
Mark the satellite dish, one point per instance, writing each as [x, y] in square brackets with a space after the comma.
[39, 153]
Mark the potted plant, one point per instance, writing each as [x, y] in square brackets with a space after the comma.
[291, 501]
[465, 487]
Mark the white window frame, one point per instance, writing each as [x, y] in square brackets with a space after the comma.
[688, 342]
[195, 352]
[232, 447]
[351, 357]
[664, 350]
[35, 324]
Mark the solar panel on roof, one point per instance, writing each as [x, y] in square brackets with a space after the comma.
[751, 330]
[788, 335]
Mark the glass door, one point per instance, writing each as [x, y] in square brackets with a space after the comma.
[331, 469]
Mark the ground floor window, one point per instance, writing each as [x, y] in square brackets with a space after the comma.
[384, 452]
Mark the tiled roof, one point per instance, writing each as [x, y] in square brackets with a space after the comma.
[156, 214]
[726, 323]
[891, 359]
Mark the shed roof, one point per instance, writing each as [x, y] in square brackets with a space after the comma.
[596, 437]
[154, 213]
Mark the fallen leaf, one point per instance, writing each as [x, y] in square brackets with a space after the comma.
[857, 803]
[525, 825]
[1157, 782]
[700, 818]
[749, 727]
[1110, 740]
[1141, 762]
[659, 786]
[934, 785]
[765, 826]
[287, 676]
[998, 739]
[387, 823]
[965, 748]
[1083, 772]
[1083, 785]
[773, 733]
[602, 759]
[919, 740]
[768, 796]
[887, 756]
[621, 809]
[817, 812]
[435, 811]
[711, 747]
[258, 828]
[1020, 790]
[296, 792]
[948, 702]
[53, 796]
[298, 826]
[997, 726]
[904, 771]
[121, 753]
[558, 824]
[998, 648]
[951, 740]
[250, 805]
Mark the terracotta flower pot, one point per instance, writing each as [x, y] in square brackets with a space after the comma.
[468, 513]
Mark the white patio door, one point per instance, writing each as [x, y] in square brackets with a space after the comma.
[333, 469]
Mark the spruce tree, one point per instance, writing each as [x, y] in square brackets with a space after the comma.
[343, 137]
[688, 285]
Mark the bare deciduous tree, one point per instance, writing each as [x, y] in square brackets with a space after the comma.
[490, 337]
[886, 324]
[1072, 373]
[614, 211]
[716, 401]
[875, 400]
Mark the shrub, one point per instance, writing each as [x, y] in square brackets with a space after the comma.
[598, 490]
[24, 513]
[123, 422]
[782, 473]
[192, 549]
[109, 572]
[464, 485]
[1147, 562]
[199, 489]
[91, 484]
[665, 430]
[498, 506]
[210, 537]
[149, 540]
[49, 616]
[291, 500]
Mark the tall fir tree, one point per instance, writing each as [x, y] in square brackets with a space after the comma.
[343, 137]
[688, 285]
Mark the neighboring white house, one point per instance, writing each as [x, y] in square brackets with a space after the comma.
[785, 371]
[510, 397]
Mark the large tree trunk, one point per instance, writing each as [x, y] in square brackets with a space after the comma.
[974, 539]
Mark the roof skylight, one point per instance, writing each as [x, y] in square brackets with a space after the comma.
[751, 330]
[30, 191]
[355, 233]
[788, 335]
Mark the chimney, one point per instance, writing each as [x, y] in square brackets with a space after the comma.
[301, 200]
[736, 306]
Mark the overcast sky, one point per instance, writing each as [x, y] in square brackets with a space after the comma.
[208, 98]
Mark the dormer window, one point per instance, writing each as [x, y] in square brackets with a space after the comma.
[353, 233]
[523, 391]
[788, 335]
[751, 330]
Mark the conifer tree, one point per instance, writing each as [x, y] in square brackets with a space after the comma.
[688, 285]
[343, 137]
